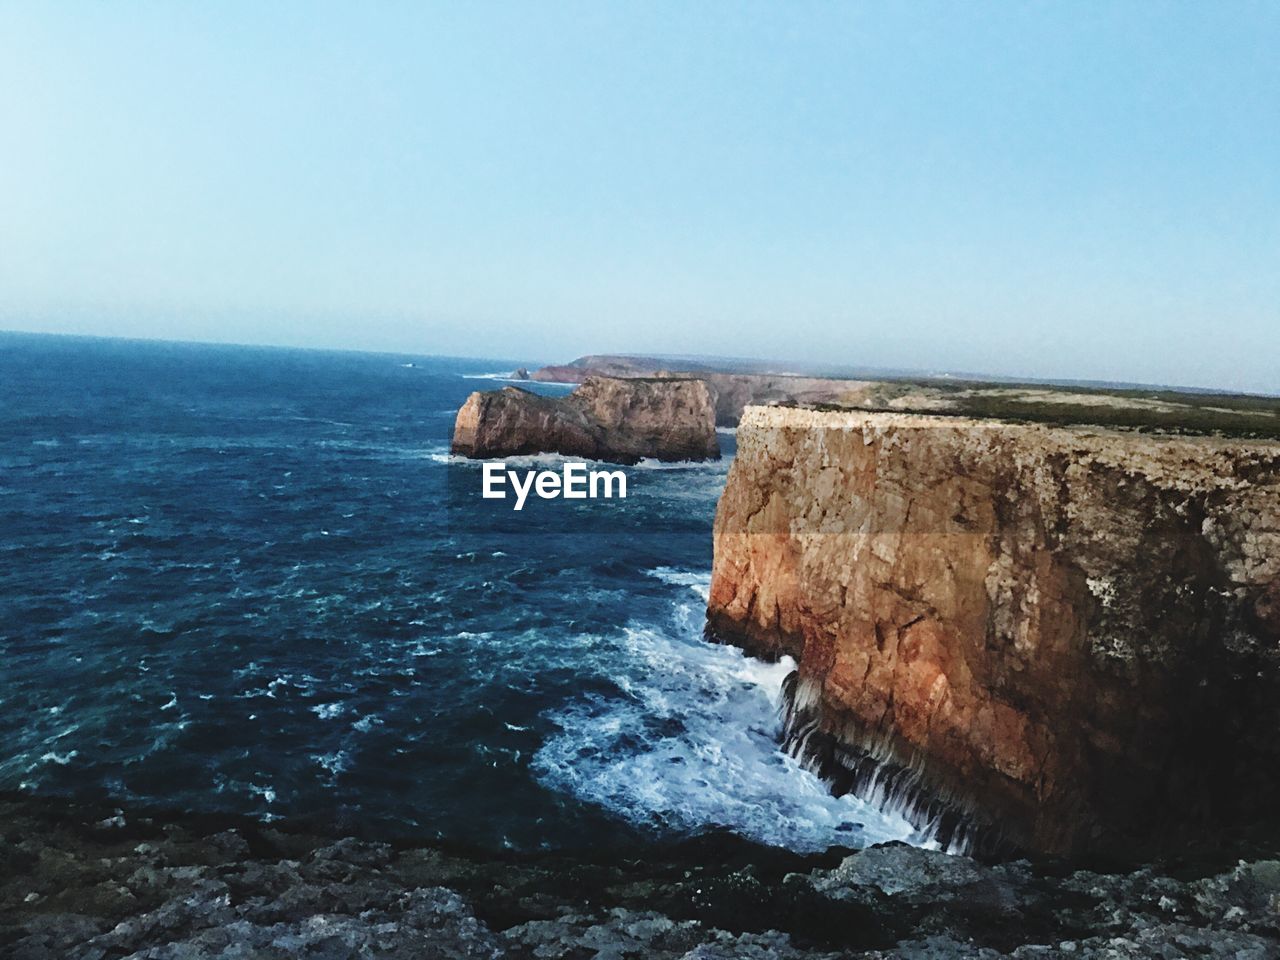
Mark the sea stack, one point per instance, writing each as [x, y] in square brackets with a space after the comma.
[622, 421]
[1059, 639]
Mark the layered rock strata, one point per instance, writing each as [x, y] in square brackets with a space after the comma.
[603, 419]
[1055, 638]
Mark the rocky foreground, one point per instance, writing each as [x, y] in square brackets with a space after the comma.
[93, 883]
[621, 421]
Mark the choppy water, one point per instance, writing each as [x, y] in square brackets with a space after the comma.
[254, 581]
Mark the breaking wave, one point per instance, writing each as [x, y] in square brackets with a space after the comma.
[689, 742]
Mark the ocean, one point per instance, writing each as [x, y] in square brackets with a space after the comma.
[254, 581]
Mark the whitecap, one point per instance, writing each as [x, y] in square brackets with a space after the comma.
[327, 711]
[697, 581]
[692, 745]
[276, 684]
[334, 762]
[267, 793]
[709, 466]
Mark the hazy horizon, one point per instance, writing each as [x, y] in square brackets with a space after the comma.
[776, 365]
[1080, 192]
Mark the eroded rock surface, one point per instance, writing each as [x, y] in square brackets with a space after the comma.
[77, 885]
[603, 419]
[1068, 636]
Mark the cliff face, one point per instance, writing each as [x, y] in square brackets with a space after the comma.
[1059, 638]
[603, 419]
[730, 392]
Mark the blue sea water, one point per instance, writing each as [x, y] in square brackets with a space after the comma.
[254, 581]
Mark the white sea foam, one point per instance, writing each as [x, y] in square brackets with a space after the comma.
[334, 762]
[691, 743]
[699, 583]
[267, 793]
[711, 466]
[555, 461]
[327, 711]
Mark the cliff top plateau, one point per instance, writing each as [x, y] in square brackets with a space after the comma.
[736, 384]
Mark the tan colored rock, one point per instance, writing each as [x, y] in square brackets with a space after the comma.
[734, 392]
[1067, 636]
[731, 392]
[603, 419]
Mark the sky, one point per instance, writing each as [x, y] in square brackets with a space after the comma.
[1070, 190]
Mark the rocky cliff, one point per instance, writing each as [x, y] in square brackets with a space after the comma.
[1059, 638]
[737, 384]
[603, 419]
[730, 392]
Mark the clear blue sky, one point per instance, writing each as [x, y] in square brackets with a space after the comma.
[1065, 189]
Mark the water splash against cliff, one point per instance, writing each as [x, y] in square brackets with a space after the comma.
[876, 773]
[689, 742]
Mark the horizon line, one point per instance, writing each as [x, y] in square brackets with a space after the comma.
[889, 373]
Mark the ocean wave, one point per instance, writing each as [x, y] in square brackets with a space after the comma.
[554, 461]
[697, 581]
[691, 744]
[267, 793]
[333, 763]
[709, 466]
[61, 759]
